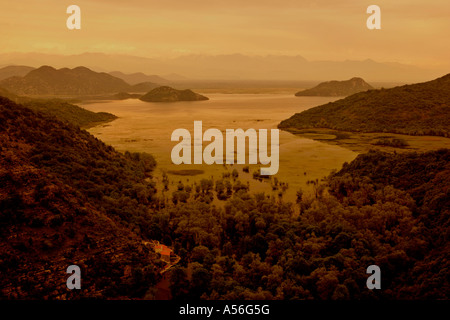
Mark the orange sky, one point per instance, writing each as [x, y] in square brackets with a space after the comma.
[413, 31]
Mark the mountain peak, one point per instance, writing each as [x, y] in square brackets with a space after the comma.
[45, 68]
[82, 68]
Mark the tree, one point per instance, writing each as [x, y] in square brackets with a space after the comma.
[179, 284]
[200, 281]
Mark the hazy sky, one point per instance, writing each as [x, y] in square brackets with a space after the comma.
[413, 31]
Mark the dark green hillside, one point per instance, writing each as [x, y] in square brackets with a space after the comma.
[418, 109]
[62, 110]
[67, 198]
[71, 113]
[425, 178]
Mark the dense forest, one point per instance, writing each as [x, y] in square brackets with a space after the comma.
[67, 198]
[418, 109]
[384, 209]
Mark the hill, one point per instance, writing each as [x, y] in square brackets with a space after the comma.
[421, 182]
[70, 113]
[168, 94]
[138, 77]
[67, 198]
[50, 81]
[14, 71]
[417, 109]
[62, 110]
[337, 88]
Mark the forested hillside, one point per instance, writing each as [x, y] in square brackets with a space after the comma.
[70, 113]
[67, 198]
[418, 109]
[383, 209]
[61, 109]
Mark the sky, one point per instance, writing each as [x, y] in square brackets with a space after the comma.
[412, 31]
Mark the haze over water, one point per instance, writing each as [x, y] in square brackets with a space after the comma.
[147, 127]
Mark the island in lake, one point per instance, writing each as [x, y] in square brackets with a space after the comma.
[168, 94]
[337, 88]
[417, 109]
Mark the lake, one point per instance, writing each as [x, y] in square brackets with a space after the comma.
[148, 126]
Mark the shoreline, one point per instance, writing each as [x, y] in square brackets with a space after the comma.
[362, 142]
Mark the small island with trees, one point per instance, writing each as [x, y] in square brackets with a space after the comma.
[168, 94]
[337, 88]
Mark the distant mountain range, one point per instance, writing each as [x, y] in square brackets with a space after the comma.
[80, 81]
[143, 87]
[47, 80]
[418, 109]
[231, 67]
[337, 88]
[138, 77]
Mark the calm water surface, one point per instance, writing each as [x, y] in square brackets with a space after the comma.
[147, 127]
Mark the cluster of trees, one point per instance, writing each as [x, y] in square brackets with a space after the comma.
[419, 109]
[222, 189]
[206, 190]
[383, 209]
[392, 142]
